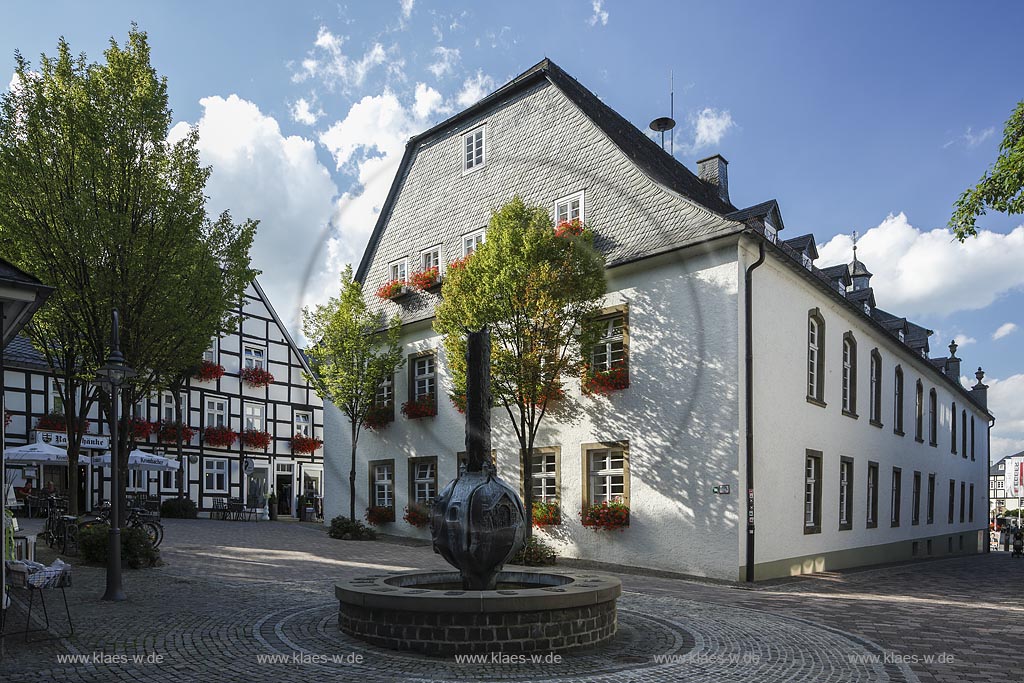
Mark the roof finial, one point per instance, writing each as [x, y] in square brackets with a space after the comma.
[855, 238]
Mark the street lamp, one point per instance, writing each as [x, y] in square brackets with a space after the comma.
[110, 377]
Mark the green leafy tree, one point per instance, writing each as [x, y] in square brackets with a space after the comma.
[97, 202]
[1002, 186]
[536, 291]
[354, 350]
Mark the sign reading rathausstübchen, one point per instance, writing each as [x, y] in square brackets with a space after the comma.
[60, 439]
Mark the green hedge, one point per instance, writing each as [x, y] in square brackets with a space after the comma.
[347, 530]
[178, 508]
[136, 553]
[536, 553]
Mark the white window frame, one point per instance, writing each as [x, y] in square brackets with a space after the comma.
[567, 203]
[424, 482]
[384, 485]
[434, 260]
[137, 480]
[167, 404]
[872, 493]
[210, 354]
[216, 407]
[428, 377]
[544, 473]
[847, 375]
[611, 346]
[214, 468]
[875, 398]
[55, 397]
[605, 478]
[477, 159]
[810, 494]
[254, 356]
[845, 489]
[471, 241]
[398, 270]
[813, 355]
[895, 496]
[259, 409]
[170, 476]
[305, 428]
[385, 392]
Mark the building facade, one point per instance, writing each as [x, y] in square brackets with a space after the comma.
[286, 407]
[693, 284]
[1006, 484]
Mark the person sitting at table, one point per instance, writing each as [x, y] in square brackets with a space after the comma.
[50, 489]
[25, 491]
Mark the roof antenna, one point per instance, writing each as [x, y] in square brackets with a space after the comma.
[664, 123]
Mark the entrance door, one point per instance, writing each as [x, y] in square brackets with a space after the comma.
[256, 486]
[284, 493]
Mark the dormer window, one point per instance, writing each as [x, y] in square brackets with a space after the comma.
[902, 336]
[771, 233]
[806, 260]
[473, 149]
[867, 308]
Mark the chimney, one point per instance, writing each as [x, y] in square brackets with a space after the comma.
[714, 171]
[953, 363]
[979, 392]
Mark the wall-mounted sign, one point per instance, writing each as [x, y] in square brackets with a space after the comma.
[722, 489]
[60, 439]
[248, 465]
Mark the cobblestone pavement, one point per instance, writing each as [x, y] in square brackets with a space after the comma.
[255, 602]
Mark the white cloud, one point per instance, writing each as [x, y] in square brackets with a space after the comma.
[930, 273]
[963, 340]
[970, 138]
[600, 15]
[259, 173]
[447, 58]
[302, 112]
[710, 127]
[327, 61]
[407, 8]
[1004, 402]
[474, 89]
[427, 102]
[1004, 329]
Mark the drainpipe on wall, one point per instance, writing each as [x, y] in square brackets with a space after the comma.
[990, 517]
[749, 343]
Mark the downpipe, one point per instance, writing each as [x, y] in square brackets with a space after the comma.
[748, 306]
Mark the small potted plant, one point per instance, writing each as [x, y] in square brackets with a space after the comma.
[168, 431]
[255, 438]
[219, 436]
[305, 444]
[417, 514]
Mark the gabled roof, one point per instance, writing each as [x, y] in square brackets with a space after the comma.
[999, 466]
[804, 244]
[22, 296]
[646, 154]
[859, 296]
[838, 272]
[20, 352]
[765, 210]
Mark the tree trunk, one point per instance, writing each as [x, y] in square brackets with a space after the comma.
[352, 477]
[527, 448]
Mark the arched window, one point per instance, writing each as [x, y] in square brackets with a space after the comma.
[952, 429]
[897, 402]
[919, 412]
[876, 388]
[815, 357]
[933, 418]
[849, 375]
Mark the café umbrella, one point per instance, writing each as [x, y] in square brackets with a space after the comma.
[35, 453]
[141, 460]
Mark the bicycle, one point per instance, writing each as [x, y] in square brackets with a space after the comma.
[59, 529]
[136, 520]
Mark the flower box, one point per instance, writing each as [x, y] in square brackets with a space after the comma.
[141, 429]
[219, 437]
[378, 416]
[255, 438]
[392, 290]
[209, 371]
[256, 377]
[378, 515]
[607, 515]
[417, 514]
[423, 407]
[426, 279]
[305, 444]
[573, 228]
[604, 382]
[167, 432]
[546, 514]
[52, 422]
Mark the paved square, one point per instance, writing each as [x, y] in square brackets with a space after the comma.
[255, 602]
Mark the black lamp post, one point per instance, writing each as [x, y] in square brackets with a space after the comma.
[109, 378]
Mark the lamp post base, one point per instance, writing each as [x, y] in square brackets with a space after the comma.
[115, 588]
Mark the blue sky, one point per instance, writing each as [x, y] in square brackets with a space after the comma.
[864, 116]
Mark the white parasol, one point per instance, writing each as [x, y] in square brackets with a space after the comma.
[141, 460]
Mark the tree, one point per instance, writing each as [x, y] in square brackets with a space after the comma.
[1002, 186]
[536, 289]
[97, 202]
[352, 353]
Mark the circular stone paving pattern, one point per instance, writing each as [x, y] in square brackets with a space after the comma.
[659, 639]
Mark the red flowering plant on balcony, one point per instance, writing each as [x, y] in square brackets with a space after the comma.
[167, 432]
[255, 438]
[52, 422]
[140, 428]
[378, 515]
[426, 278]
[607, 515]
[256, 377]
[425, 406]
[392, 289]
[573, 228]
[305, 444]
[417, 514]
[219, 437]
[546, 514]
[378, 416]
[209, 371]
[604, 382]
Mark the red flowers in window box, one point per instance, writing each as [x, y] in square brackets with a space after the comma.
[391, 290]
[219, 437]
[141, 429]
[52, 422]
[378, 515]
[546, 514]
[305, 444]
[573, 228]
[604, 382]
[417, 514]
[254, 438]
[425, 279]
[256, 377]
[167, 432]
[209, 371]
[378, 416]
[424, 406]
[607, 515]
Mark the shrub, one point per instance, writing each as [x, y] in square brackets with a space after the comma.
[378, 514]
[535, 553]
[417, 514]
[136, 552]
[344, 528]
[178, 508]
[608, 516]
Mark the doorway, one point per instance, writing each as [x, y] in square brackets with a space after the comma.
[256, 487]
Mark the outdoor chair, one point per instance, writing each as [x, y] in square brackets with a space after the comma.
[235, 509]
[220, 509]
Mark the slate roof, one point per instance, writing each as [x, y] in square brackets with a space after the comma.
[995, 470]
[858, 269]
[859, 296]
[837, 272]
[20, 352]
[804, 244]
[761, 210]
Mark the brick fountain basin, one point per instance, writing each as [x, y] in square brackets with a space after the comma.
[530, 611]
